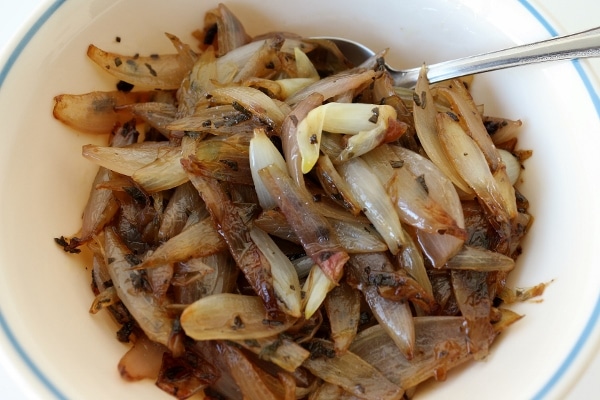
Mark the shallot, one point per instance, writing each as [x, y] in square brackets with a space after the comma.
[270, 222]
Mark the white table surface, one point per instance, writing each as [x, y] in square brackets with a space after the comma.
[13, 14]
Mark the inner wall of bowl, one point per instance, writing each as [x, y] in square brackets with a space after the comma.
[46, 181]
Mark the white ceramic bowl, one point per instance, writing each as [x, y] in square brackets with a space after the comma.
[60, 351]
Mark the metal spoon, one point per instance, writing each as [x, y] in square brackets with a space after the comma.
[576, 45]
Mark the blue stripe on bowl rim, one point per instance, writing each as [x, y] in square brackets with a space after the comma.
[543, 392]
[23, 42]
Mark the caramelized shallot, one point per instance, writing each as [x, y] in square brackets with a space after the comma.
[271, 222]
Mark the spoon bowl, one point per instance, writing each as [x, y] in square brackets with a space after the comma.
[567, 47]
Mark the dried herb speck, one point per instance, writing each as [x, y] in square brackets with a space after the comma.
[150, 69]
[375, 115]
[125, 87]
[397, 163]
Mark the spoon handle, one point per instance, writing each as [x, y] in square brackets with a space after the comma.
[576, 45]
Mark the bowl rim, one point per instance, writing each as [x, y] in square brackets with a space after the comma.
[47, 9]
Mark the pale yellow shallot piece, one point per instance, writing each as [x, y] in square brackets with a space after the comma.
[513, 166]
[228, 316]
[467, 158]
[463, 105]
[368, 122]
[424, 112]
[306, 75]
[125, 160]
[262, 154]
[478, 259]
[154, 71]
[471, 121]
[252, 100]
[285, 279]
[316, 287]
[197, 240]
[166, 172]
[376, 205]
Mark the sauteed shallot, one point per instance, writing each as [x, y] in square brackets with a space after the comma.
[271, 222]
